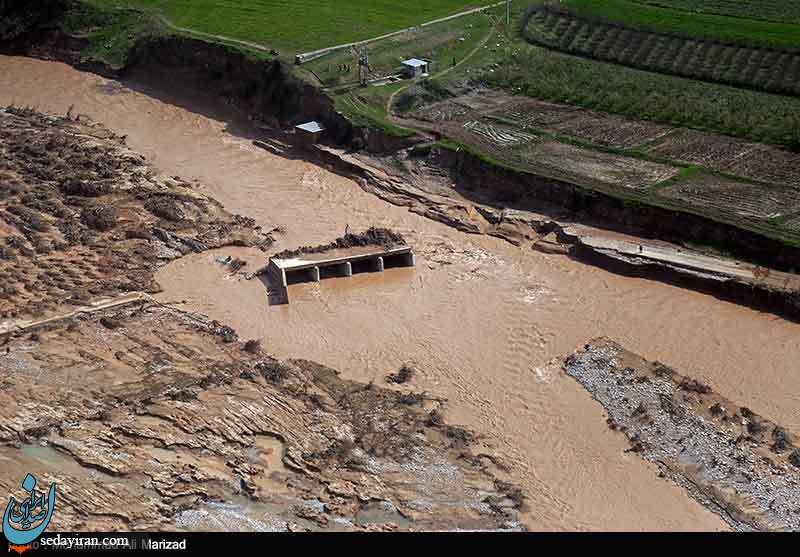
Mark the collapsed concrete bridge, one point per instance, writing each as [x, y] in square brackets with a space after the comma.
[283, 272]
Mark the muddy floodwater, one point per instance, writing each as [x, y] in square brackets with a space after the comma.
[484, 322]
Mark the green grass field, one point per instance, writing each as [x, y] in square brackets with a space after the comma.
[510, 63]
[708, 26]
[525, 69]
[769, 10]
[111, 33]
[521, 68]
[296, 25]
[440, 44]
[443, 43]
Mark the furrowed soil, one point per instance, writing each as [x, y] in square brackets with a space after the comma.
[627, 158]
[763, 69]
[484, 323]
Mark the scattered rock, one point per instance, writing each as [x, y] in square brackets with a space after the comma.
[721, 462]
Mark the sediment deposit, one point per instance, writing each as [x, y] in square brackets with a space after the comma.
[147, 417]
[742, 466]
[153, 418]
[84, 217]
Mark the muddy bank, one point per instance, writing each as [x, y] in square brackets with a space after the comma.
[777, 293]
[164, 418]
[735, 462]
[480, 198]
[265, 89]
[275, 99]
[83, 217]
[153, 418]
[516, 190]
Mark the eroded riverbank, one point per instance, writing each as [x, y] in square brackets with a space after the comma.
[149, 418]
[482, 320]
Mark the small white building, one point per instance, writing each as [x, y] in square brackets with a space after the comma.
[310, 131]
[415, 67]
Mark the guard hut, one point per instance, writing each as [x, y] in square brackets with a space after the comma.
[415, 68]
[310, 132]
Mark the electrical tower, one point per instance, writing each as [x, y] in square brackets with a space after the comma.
[362, 60]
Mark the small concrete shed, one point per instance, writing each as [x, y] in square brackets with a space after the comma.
[310, 132]
[415, 67]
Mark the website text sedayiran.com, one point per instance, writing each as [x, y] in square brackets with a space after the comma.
[120, 541]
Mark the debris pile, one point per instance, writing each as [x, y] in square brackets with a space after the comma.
[382, 237]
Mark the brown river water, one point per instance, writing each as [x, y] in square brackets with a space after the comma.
[483, 321]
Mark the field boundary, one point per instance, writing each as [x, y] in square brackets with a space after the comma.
[222, 38]
[662, 4]
[500, 133]
[702, 25]
[305, 57]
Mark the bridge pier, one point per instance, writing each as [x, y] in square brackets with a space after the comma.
[339, 263]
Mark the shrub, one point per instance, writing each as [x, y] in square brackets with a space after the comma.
[252, 346]
[274, 372]
[138, 232]
[404, 375]
[9, 186]
[99, 217]
[165, 207]
[435, 419]
[411, 399]
[29, 217]
[88, 188]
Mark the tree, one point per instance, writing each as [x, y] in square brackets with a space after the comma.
[18, 17]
